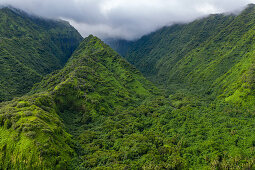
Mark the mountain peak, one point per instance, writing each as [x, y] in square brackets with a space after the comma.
[91, 38]
[92, 44]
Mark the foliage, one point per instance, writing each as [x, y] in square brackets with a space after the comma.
[99, 112]
[32, 135]
[31, 47]
[213, 55]
[95, 82]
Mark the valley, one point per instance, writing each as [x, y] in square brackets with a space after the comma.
[181, 97]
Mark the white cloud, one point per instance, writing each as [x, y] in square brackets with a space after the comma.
[125, 18]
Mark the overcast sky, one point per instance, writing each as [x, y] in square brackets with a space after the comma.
[128, 19]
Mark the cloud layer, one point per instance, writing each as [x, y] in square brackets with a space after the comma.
[128, 19]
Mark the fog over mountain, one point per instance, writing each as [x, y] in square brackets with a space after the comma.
[128, 19]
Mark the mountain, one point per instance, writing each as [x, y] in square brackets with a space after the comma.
[96, 83]
[210, 56]
[31, 47]
[99, 112]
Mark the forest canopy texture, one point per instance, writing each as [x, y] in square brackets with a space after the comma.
[181, 97]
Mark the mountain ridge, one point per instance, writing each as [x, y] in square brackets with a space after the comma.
[99, 112]
[30, 49]
[175, 57]
[84, 92]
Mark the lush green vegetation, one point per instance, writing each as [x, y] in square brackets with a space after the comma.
[210, 55]
[32, 135]
[209, 61]
[31, 47]
[99, 112]
[94, 84]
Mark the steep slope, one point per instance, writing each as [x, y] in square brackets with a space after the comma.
[95, 83]
[170, 43]
[99, 112]
[31, 47]
[32, 135]
[213, 55]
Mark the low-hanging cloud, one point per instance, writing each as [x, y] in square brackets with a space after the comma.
[128, 19]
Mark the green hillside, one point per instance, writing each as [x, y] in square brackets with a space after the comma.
[213, 55]
[99, 112]
[95, 84]
[31, 47]
[170, 43]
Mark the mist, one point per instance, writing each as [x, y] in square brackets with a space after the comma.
[126, 19]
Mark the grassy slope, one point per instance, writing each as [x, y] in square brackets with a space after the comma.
[31, 47]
